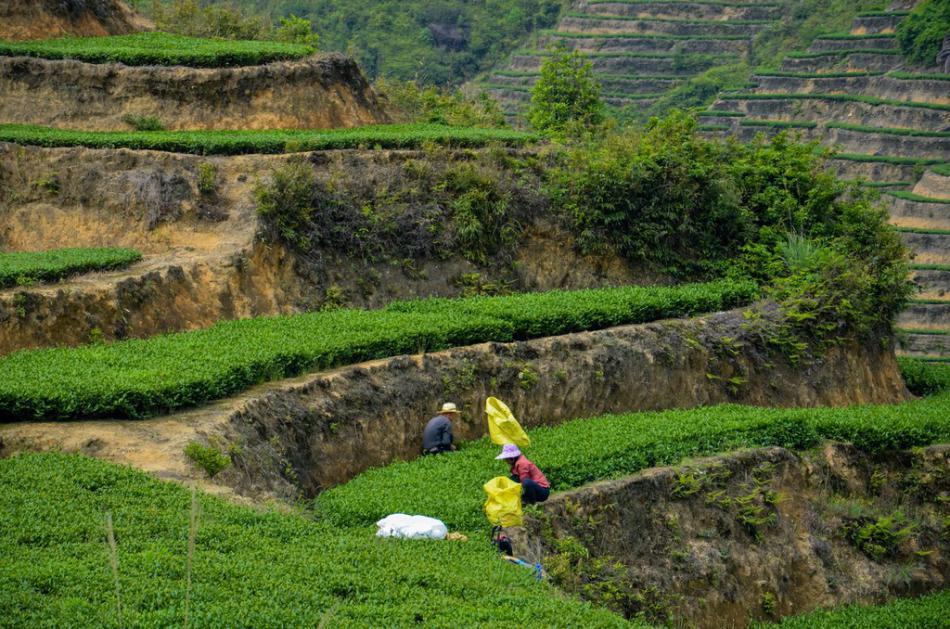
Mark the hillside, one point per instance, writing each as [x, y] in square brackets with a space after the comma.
[42, 19]
[232, 294]
[891, 128]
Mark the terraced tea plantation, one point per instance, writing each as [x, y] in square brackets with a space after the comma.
[137, 378]
[332, 569]
[890, 128]
[640, 50]
[232, 294]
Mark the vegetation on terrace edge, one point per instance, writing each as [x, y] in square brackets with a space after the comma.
[27, 268]
[925, 612]
[331, 567]
[138, 377]
[404, 136]
[155, 48]
[922, 32]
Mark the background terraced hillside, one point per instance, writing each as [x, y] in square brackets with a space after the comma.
[640, 49]
[890, 126]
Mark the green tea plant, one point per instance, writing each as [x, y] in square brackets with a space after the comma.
[269, 141]
[157, 48]
[50, 266]
[137, 377]
[926, 611]
[250, 567]
[585, 450]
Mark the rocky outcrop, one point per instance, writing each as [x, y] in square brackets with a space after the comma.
[320, 92]
[44, 19]
[750, 536]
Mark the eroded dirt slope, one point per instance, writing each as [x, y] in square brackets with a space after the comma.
[43, 19]
[322, 92]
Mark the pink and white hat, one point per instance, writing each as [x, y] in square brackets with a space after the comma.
[510, 451]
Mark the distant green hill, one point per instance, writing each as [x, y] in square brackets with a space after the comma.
[443, 42]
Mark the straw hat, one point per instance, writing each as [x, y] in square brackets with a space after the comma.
[449, 407]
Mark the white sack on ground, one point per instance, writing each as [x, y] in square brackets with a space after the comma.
[411, 527]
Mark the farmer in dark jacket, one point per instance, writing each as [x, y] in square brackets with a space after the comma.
[437, 435]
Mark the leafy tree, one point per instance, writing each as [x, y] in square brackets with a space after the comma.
[921, 33]
[565, 93]
[297, 30]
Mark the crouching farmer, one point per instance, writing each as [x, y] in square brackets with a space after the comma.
[437, 435]
[534, 486]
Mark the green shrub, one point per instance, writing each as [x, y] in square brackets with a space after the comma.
[926, 611]
[921, 33]
[143, 123]
[157, 48]
[431, 105]
[52, 266]
[208, 458]
[137, 377]
[273, 141]
[924, 378]
[286, 200]
[881, 538]
[566, 93]
[207, 178]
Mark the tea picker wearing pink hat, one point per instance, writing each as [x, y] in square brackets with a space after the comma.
[534, 486]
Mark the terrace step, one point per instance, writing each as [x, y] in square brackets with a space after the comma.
[918, 214]
[645, 43]
[926, 315]
[603, 25]
[928, 247]
[681, 10]
[876, 24]
[933, 91]
[882, 143]
[852, 167]
[832, 61]
[933, 185]
[915, 344]
[651, 64]
[883, 42]
[829, 109]
[932, 283]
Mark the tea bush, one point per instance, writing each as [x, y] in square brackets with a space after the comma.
[926, 612]
[136, 377]
[49, 266]
[266, 141]
[156, 48]
[582, 451]
[252, 567]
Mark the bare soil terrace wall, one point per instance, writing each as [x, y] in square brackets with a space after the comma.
[673, 543]
[320, 92]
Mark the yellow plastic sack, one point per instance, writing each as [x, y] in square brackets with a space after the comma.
[502, 426]
[503, 507]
